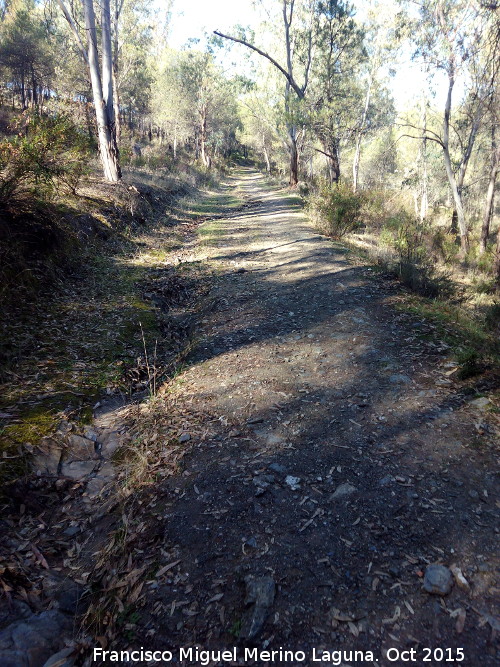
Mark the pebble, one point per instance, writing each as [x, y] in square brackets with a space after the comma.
[185, 437]
[343, 491]
[278, 468]
[398, 378]
[481, 402]
[293, 482]
[438, 580]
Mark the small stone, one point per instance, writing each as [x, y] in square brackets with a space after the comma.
[438, 580]
[293, 482]
[343, 491]
[385, 481]
[62, 658]
[185, 437]
[278, 468]
[480, 403]
[473, 494]
[263, 481]
[460, 580]
[398, 378]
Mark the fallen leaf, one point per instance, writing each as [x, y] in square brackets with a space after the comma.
[459, 625]
[166, 568]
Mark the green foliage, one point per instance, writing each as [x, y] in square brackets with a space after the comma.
[412, 260]
[48, 152]
[337, 210]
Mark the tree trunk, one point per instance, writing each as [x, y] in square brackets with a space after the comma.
[490, 193]
[205, 157]
[357, 154]
[457, 197]
[496, 263]
[294, 156]
[23, 93]
[424, 190]
[331, 152]
[116, 104]
[266, 156]
[107, 140]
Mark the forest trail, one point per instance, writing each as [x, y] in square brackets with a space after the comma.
[340, 459]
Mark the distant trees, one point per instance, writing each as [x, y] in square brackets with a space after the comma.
[195, 103]
[298, 25]
[24, 53]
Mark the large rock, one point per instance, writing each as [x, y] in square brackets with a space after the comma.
[260, 593]
[438, 580]
[48, 458]
[78, 470]
[80, 448]
[30, 642]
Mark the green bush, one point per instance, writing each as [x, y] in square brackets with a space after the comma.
[48, 152]
[336, 210]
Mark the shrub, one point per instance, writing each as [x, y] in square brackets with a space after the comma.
[336, 210]
[46, 153]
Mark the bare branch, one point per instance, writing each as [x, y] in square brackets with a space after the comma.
[289, 78]
[411, 136]
[74, 30]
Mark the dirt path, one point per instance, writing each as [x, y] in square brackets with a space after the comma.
[310, 372]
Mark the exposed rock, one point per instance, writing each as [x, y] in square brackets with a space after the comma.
[480, 403]
[96, 484]
[343, 491]
[30, 642]
[260, 593]
[78, 469]
[438, 580]
[80, 448]
[63, 590]
[49, 458]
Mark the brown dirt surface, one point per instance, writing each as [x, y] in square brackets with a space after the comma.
[290, 484]
[309, 367]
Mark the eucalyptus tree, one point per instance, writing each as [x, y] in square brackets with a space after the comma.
[101, 77]
[449, 37]
[335, 92]
[380, 46]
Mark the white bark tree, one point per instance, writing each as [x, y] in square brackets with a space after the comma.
[101, 79]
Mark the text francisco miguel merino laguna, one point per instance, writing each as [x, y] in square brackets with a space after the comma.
[205, 657]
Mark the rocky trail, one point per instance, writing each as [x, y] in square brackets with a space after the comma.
[337, 488]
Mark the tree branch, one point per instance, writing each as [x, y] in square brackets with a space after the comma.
[332, 157]
[411, 136]
[74, 30]
[289, 78]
